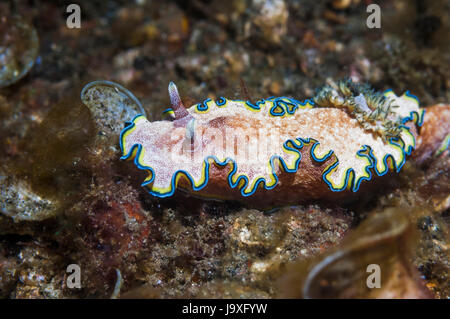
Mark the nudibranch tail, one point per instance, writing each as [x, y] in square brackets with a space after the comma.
[276, 150]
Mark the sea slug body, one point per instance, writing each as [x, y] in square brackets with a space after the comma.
[277, 150]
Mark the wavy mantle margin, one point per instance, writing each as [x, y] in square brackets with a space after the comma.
[295, 146]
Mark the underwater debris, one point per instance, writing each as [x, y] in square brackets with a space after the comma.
[8, 273]
[218, 254]
[20, 202]
[212, 289]
[39, 273]
[19, 46]
[342, 4]
[385, 239]
[373, 110]
[270, 18]
[281, 147]
[432, 251]
[118, 286]
[192, 247]
[110, 104]
[49, 172]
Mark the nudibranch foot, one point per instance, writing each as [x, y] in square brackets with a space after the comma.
[277, 150]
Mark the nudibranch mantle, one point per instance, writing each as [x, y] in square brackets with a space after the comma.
[226, 149]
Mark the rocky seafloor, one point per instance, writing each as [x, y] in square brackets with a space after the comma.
[66, 198]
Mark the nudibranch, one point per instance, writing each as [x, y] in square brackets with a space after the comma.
[277, 150]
